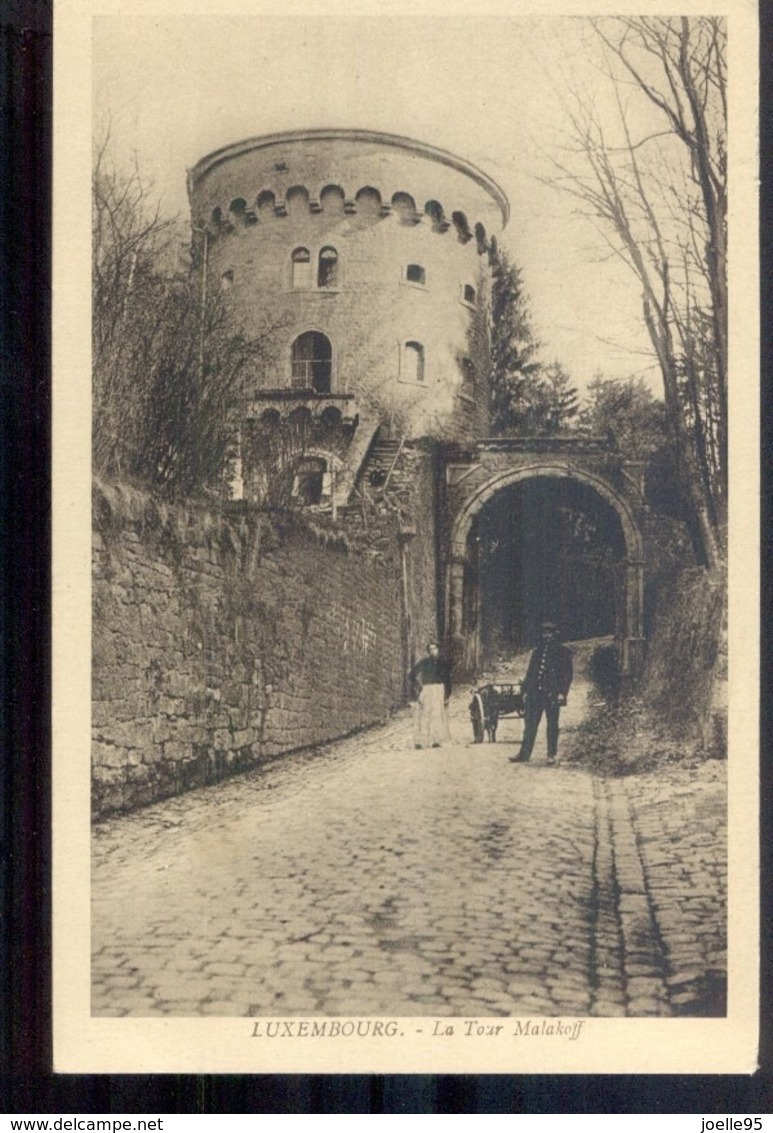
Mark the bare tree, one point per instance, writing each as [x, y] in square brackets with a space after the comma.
[273, 454]
[129, 238]
[170, 367]
[653, 173]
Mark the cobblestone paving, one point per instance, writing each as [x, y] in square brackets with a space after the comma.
[680, 819]
[373, 879]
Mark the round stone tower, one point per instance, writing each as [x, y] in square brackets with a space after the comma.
[362, 256]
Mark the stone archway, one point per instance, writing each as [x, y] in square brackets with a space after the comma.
[474, 491]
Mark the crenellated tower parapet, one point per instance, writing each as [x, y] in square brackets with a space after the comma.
[254, 181]
[365, 255]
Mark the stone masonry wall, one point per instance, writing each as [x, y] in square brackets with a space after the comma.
[410, 496]
[414, 482]
[220, 643]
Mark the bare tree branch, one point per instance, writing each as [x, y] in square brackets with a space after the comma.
[663, 211]
[167, 370]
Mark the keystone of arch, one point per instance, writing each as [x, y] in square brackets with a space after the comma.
[494, 485]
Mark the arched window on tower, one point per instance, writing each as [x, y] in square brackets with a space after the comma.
[311, 362]
[301, 262]
[412, 368]
[415, 273]
[327, 272]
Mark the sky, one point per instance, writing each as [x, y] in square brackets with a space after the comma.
[486, 88]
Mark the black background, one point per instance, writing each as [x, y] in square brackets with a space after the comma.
[28, 1084]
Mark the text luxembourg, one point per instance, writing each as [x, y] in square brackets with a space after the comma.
[442, 1028]
[324, 1029]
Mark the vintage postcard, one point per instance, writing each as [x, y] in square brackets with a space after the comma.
[405, 538]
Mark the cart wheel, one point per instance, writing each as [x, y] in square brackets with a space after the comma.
[476, 715]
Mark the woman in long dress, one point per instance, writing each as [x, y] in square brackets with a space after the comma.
[431, 679]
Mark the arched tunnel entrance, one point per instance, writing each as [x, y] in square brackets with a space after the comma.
[544, 543]
[546, 549]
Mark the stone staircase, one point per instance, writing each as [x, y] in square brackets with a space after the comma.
[353, 462]
[383, 458]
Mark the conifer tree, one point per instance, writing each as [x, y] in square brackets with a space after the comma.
[514, 366]
[528, 398]
[552, 403]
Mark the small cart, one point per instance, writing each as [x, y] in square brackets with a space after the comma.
[492, 703]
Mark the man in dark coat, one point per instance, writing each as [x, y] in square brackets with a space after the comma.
[545, 688]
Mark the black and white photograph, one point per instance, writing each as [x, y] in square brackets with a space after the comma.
[405, 467]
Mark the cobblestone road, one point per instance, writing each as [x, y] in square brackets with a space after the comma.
[373, 879]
